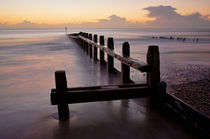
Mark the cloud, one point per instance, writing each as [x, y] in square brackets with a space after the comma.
[167, 17]
[114, 18]
[113, 21]
[164, 17]
[28, 24]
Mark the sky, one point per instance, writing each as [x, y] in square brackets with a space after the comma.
[86, 13]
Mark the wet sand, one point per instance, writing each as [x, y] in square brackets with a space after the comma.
[36, 118]
[110, 120]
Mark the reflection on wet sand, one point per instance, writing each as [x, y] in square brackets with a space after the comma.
[118, 119]
[27, 113]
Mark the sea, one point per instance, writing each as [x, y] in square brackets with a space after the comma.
[29, 58]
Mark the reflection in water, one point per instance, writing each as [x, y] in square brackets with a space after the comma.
[100, 118]
[124, 109]
[28, 62]
[62, 130]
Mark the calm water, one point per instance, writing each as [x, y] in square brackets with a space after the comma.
[29, 58]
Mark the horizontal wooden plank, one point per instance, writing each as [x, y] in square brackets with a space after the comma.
[103, 94]
[104, 86]
[79, 88]
[188, 113]
[136, 64]
[181, 106]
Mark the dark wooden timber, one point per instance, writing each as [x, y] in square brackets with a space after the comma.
[90, 46]
[99, 94]
[102, 52]
[110, 59]
[86, 43]
[153, 88]
[83, 41]
[153, 77]
[191, 116]
[125, 69]
[95, 50]
[136, 64]
[198, 121]
[61, 88]
[104, 86]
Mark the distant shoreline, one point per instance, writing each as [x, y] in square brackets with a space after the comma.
[140, 29]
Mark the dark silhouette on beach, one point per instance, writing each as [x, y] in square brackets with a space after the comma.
[176, 38]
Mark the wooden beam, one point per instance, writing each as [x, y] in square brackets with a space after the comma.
[104, 86]
[95, 50]
[61, 87]
[102, 94]
[153, 59]
[86, 44]
[90, 46]
[110, 59]
[199, 121]
[125, 69]
[136, 64]
[102, 61]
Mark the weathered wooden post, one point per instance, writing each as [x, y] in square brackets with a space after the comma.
[110, 59]
[86, 43]
[83, 46]
[161, 89]
[125, 70]
[95, 50]
[153, 77]
[102, 52]
[83, 42]
[90, 46]
[80, 40]
[61, 87]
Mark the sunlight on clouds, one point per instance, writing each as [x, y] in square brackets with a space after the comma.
[82, 11]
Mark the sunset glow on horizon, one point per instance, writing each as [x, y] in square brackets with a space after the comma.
[81, 11]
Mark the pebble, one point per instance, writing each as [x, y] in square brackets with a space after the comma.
[190, 83]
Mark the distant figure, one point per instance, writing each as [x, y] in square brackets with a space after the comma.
[197, 40]
[66, 29]
[171, 38]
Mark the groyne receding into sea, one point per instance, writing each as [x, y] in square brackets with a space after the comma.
[154, 89]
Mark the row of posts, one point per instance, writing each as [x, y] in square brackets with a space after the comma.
[153, 76]
[92, 51]
[153, 58]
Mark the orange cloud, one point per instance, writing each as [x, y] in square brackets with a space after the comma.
[163, 17]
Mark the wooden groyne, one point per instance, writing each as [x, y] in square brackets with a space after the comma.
[154, 89]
